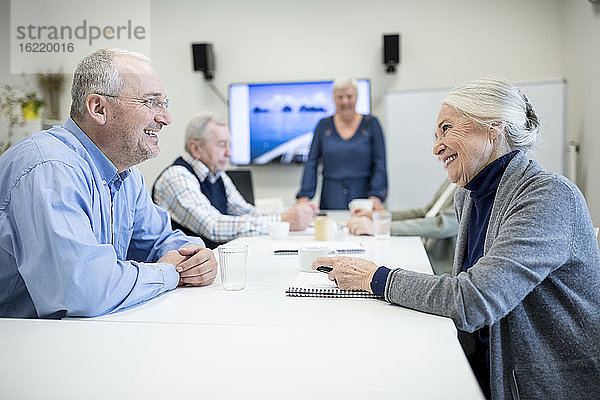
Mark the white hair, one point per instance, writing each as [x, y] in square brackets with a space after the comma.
[98, 73]
[343, 83]
[497, 101]
[197, 128]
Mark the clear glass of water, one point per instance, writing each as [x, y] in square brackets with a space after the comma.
[233, 260]
[382, 224]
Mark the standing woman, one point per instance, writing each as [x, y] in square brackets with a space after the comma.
[352, 150]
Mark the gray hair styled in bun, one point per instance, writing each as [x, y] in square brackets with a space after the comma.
[493, 100]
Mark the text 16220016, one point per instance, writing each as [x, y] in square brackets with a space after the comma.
[46, 47]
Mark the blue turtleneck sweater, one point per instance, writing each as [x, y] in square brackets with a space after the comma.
[483, 189]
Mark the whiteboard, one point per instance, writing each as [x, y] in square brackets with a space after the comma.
[415, 174]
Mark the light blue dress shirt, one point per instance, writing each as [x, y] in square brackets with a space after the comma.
[71, 226]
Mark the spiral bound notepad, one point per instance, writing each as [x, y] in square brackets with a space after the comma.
[291, 248]
[317, 284]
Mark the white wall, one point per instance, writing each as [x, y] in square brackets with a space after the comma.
[442, 44]
[582, 69]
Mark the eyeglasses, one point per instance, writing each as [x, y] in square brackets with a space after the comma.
[152, 104]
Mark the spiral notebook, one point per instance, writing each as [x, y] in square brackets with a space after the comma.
[317, 284]
[342, 247]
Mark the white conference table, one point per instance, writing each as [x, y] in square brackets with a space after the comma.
[263, 302]
[256, 343]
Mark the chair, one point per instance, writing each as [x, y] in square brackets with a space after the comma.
[242, 179]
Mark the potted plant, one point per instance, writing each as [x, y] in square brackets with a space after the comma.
[52, 85]
[16, 107]
[30, 106]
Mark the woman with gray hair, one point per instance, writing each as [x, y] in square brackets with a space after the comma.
[524, 289]
[351, 147]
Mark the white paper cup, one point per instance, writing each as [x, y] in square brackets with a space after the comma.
[366, 204]
[233, 259]
[306, 256]
[279, 230]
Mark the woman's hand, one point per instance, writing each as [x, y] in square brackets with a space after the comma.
[350, 273]
[377, 204]
[360, 226]
[306, 200]
[361, 212]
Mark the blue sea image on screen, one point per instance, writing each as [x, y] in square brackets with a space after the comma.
[282, 112]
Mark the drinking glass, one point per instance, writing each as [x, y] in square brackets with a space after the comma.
[233, 259]
[382, 224]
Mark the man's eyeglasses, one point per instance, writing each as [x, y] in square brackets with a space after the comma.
[153, 104]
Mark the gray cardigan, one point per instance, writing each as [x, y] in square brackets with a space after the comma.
[537, 286]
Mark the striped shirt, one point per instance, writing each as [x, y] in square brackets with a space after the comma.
[179, 192]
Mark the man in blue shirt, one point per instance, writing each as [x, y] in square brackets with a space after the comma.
[79, 234]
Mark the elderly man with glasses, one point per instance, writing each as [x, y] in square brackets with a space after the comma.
[79, 234]
[201, 198]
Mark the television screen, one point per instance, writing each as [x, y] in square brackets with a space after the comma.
[274, 122]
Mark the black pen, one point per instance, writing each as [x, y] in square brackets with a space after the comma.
[324, 269]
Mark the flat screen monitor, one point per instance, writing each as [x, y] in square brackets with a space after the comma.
[274, 122]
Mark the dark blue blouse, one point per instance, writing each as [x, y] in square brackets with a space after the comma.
[352, 168]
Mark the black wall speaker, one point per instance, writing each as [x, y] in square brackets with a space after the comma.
[391, 51]
[202, 54]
